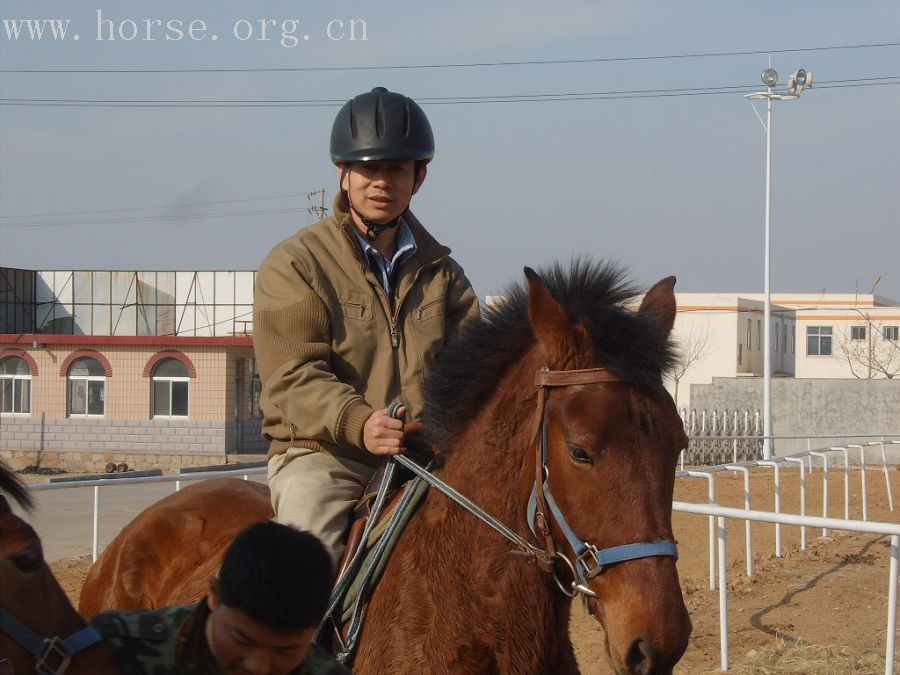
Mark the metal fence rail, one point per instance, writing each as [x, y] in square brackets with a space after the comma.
[720, 513]
[853, 458]
[244, 473]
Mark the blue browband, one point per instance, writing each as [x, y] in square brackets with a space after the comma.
[45, 650]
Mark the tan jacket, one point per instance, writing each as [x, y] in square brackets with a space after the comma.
[328, 347]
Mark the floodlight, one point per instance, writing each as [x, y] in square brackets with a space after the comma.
[769, 77]
[792, 85]
[800, 77]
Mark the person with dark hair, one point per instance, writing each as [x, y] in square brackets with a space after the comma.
[349, 315]
[258, 617]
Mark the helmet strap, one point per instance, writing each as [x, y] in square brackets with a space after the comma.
[373, 229]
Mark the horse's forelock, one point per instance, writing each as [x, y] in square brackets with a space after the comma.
[594, 294]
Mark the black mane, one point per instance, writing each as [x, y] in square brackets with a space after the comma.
[12, 486]
[595, 294]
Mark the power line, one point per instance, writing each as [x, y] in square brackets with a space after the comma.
[147, 219]
[476, 64]
[151, 208]
[445, 100]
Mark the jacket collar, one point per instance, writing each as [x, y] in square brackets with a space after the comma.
[428, 249]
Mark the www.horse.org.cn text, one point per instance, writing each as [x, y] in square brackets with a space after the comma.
[286, 32]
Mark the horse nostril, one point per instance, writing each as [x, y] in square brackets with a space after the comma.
[642, 658]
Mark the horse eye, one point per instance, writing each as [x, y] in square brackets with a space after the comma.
[28, 562]
[580, 455]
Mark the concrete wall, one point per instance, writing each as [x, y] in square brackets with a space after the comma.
[815, 407]
[252, 440]
[112, 436]
[95, 462]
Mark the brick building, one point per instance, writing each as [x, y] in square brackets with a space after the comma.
[147, 368]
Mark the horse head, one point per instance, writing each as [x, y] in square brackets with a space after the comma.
[40, 631]
[611, 439]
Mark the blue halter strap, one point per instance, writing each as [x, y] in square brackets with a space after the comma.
[542, 508]
[51, 654]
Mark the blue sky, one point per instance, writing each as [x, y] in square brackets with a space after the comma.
[665, 185]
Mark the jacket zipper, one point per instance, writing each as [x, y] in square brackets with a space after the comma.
[392, 318]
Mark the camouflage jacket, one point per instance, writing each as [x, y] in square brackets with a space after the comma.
[172, 641]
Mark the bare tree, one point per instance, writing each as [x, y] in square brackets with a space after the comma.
[871, 351]
[691, 350]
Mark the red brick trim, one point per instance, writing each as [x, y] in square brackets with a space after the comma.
[156, 358]
[70, 359]
[22, 354]
[127, 340]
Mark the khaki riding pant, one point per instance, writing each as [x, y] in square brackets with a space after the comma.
[316, 491]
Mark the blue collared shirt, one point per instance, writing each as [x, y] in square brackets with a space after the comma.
[381, 266]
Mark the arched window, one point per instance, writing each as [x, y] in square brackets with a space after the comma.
[87, 387]
[170, 388]
[15, 386]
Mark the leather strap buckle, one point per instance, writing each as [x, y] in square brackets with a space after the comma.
[55, 658]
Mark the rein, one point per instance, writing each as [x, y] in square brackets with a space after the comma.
[542, 508]
[52, 655]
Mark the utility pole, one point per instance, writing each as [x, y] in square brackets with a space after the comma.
[320, 211]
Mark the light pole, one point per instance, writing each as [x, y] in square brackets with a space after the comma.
[796, 83]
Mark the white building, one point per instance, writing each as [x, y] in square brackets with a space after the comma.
[814, 335]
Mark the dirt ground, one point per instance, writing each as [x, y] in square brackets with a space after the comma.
[819, 611]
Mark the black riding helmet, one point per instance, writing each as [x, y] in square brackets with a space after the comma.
[381, 125]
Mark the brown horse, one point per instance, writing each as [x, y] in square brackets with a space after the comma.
[166, 555]
[590, 452]
[37, 621]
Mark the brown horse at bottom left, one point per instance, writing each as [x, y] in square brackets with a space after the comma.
[189, 530]
[34, 609]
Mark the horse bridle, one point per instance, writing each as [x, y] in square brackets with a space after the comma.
[589, 561]
[52, 655]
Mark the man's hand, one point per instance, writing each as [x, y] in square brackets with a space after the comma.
[383, 434]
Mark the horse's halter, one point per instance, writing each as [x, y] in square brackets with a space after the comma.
[52, 655]
[542, 508]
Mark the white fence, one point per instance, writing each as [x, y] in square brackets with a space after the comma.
[804, 461]
[720, 513]
[106, 482]
[807, 462]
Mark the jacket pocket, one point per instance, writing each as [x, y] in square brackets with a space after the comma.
[356, 305]
[430, 310]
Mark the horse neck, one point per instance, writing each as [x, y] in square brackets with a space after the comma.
[493, 464]
[494, 452]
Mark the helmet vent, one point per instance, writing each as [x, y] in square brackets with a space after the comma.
[406, 117]
[353, 131]
[379, 116]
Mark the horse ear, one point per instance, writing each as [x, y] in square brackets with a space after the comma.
[659, 302]
[550, 322]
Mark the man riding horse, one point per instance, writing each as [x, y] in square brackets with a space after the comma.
[349, 315]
